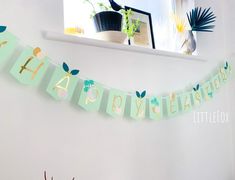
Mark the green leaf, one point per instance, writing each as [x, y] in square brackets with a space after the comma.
[86, 89]
[226, 65]
[2, 28]
[143, 94]
[65, 67]
[74, 72]
[86, 82]
[155, 101]
[138, 94]
[198, 87]
[129, 27]
[91, 82]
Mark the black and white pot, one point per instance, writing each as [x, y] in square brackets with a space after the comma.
[108, 21]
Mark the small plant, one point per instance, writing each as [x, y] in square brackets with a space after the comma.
[140, 95]
[100, 5]
[88, 84]
[201, 20]
[72, 72]
[156, 105]
[196, 88]
[155, 101]
[93, 7]
[103, 7]
[130, 28]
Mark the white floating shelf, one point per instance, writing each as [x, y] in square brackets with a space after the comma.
[56, 36]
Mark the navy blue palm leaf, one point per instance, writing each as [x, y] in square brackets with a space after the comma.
[115, 6]
[201, 20]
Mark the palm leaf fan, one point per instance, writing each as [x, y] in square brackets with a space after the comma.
[200, 20]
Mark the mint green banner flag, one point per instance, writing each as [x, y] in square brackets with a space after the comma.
[91, 95]
[30, 67]
[216, 84]
[116, 103]
[207, 91]
[223, 75]
[62, 84]
[197, 97]
[225, 72]
[172, 105]
[155, 108]
[186, 102]
[8, 43]
[138, 107]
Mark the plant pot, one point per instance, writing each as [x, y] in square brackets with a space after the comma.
[108, 21]
[111, 36]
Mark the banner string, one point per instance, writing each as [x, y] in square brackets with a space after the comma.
[128, 93]
[83, 78]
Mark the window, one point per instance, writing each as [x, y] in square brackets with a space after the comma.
[77, 17]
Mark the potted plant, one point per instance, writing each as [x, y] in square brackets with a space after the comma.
[130, 28]
[199, 21]
[109, 21]
[107, 18]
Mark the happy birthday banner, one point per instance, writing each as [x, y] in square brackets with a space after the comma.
[31, 66]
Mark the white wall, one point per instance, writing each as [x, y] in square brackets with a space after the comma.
[231, 42]
[38, 133]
